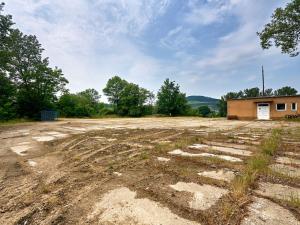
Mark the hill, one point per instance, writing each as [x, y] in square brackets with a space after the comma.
[196, 101]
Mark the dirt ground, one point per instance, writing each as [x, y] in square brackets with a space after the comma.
[144, 171]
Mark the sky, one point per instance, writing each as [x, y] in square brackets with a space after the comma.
[209, 47]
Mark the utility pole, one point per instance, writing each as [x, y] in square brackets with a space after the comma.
[263, 80]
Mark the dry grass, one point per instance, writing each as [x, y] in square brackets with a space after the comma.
[256, 165]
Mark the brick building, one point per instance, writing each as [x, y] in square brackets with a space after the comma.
[263, 108]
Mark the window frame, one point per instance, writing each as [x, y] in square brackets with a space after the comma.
[296, 106]
[281, 110]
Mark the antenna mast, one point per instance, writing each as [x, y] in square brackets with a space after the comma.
[263, 80]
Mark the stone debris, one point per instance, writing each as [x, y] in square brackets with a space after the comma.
[120, 206]
[225, 175]
[278, 191]
[204, 196]
[111, 139]
[117, 173]
[187, 154]
[162, 159]
[287, 160]
[265, 212]
[286, 170]
[32, 163]
[234, 151]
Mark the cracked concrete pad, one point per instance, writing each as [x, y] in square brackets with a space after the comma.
[187, 154]
[75, 128]
[265, 212]
[120, 206]
[286, 170]
[234, 151]
[43, 138]
[162, 159]
[292, 154]
[204, 196]
[287, 160]
[20, 149]
[225, 175]
[278, 191]
[247, 138]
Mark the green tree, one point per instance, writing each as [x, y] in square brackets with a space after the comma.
[204, 110]
[128, 99]
[285, 91]
[82, 104]
[268, 92]
[251, 92]
[170, 101]
[7, 89]
[113, 90]
[283, 30]
[132, 101]
[35, 84]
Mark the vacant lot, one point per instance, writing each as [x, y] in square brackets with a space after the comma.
[147, 171]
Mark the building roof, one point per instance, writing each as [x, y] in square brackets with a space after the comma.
[264, 97]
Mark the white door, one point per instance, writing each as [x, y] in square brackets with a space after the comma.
[263, 111]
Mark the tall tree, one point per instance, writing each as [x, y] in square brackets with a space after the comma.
[128, 99]
[7, 89]
[113, 90]
[283, 30]
[285, 91]
[170, 101]
[35, 83]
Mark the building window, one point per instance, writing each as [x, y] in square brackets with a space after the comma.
[280, 107]
[294, 106]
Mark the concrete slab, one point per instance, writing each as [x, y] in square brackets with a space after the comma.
[120, 206]
[265, 212]
[187, 154]
[230, 150]
[43, 138]
[286, 170]
[20, 149]
[287, 160]
[278, 191]
[162, 159]
[204, 196]
[224, 175]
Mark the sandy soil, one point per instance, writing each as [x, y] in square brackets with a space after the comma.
[119, 171]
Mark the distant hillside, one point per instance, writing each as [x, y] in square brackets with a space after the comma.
[196, 101]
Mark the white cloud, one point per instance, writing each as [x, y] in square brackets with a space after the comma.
[212, 11]
[178, 38]
[90, 41]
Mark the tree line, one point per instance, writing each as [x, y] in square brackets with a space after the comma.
[29, 85]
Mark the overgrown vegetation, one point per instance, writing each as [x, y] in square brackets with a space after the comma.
[256, 165]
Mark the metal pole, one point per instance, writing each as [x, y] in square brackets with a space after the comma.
[263, 80]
